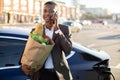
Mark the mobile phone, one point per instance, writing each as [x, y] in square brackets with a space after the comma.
[51, 17]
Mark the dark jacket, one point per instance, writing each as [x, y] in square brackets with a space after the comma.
[62, 45]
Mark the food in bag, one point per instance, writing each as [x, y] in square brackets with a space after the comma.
[37, 35]
[39, 29]
[37, 49]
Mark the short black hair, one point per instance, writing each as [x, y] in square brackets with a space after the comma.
[51, 3]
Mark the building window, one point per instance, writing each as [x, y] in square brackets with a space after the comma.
[23, 2]
[15, 2]
[15, 5]
[7, 4]
[23, 5]
[37, 7]
[30, 5]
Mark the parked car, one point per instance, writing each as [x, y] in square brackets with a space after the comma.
[37, 20]
[85, 22]
[85, 63]
[103, 22]
[73, 26]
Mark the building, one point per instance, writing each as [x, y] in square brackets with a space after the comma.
[25, 11]
[95, 11]
[19, 11]
[116, 17]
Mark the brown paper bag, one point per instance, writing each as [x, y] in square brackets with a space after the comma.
[35, 54]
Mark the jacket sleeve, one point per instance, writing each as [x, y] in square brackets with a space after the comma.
[64, 39]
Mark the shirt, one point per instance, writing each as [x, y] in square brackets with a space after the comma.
[49, 62]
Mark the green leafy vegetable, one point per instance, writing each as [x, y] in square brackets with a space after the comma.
[39, 39]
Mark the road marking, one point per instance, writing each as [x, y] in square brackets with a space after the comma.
[117, 37]
[91, 45]
[102, 33]
[116, 67]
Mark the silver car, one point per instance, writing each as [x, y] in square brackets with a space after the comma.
[73, 26]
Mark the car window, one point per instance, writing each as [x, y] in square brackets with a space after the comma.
[10, 51]
[75, 57]
[89, 57]
[72, 24]
[67, 23]
[36, 18]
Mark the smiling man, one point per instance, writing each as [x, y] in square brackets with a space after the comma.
[56, 66]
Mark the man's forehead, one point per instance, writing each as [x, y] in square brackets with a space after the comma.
[51, 7]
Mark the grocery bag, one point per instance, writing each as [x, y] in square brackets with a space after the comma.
[36, 51]
[35, 54]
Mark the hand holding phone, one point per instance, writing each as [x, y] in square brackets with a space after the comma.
[55, 20]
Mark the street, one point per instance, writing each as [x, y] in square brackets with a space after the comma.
[106, 38]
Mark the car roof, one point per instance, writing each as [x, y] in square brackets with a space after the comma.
[15, 32]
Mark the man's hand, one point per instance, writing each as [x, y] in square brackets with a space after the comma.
[27, 70]
[55, 20]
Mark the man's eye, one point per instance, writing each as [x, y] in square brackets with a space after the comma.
[46, 10]
[50, 11]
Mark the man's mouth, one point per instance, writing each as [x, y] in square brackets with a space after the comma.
[48, 18]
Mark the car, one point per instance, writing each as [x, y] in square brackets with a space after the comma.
[37, 20]
[103, 22]
[85, 63]
[73, 26]
[85, 22]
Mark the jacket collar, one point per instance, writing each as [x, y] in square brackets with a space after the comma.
[54, 35]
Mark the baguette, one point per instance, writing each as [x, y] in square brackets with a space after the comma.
[39, 29]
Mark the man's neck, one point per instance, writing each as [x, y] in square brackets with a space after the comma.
[49, 26]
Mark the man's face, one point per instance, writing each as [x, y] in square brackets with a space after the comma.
[48, 12]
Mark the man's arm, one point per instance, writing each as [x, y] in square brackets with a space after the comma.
[63, 34]
[64, 39]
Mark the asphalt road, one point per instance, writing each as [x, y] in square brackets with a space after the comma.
[106, 38]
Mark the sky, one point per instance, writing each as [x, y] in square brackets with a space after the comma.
[112, 5]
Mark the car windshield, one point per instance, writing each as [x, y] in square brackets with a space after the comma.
[67, 23]
[36, 18]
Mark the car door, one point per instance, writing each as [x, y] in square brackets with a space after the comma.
[81, 65]
[10, 53]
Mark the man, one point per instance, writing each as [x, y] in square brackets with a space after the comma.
[56, 66]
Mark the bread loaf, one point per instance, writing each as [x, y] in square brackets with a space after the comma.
[39, 29]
